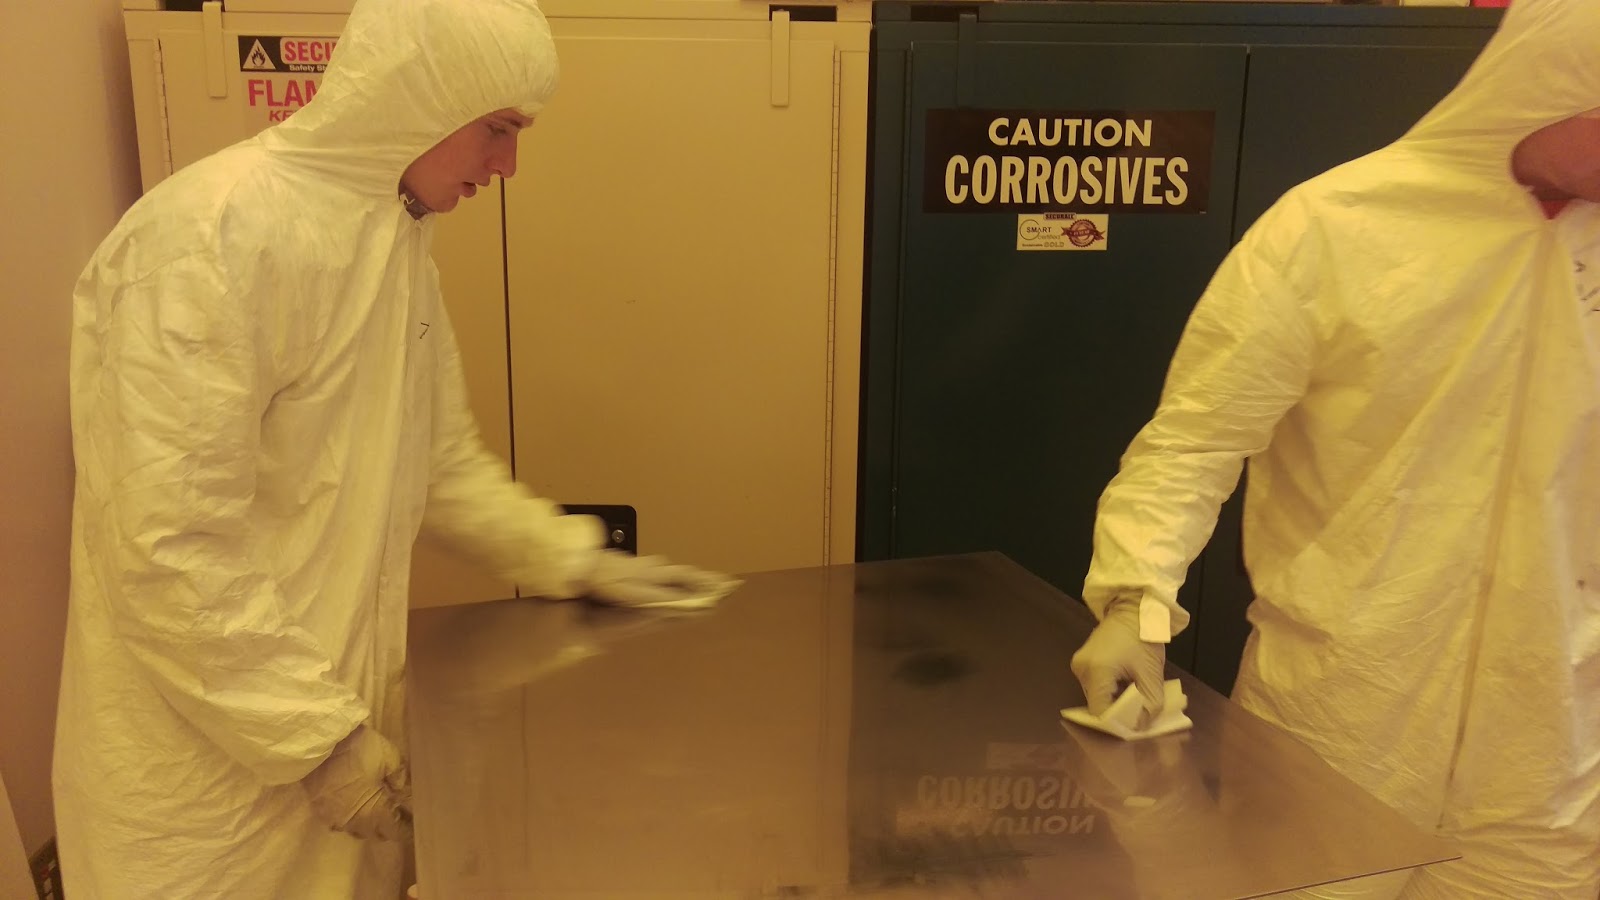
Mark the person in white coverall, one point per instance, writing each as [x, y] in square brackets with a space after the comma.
[1407, 348]
[267, 406]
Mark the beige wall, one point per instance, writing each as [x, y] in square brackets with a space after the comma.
[68, 169]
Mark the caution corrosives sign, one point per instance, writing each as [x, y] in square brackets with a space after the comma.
[1098, 161]
[272, 53]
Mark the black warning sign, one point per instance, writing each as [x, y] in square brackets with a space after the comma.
[276, 53]
[986, 161]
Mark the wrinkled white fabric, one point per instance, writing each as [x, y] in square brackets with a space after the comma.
[1399, 348]
[267, 404]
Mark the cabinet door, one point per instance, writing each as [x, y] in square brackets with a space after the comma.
[1311, 108]
[1022, 376]
[181, 122]
[669, 261]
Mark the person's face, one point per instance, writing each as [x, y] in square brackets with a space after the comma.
[465, 161]
[1561, 161]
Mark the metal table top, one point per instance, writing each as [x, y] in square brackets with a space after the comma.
[864, 731]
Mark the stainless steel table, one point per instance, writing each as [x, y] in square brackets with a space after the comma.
[877, 730]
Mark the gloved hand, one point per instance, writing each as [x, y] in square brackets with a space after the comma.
[1114, 655]
[362, 788]
[648, 582]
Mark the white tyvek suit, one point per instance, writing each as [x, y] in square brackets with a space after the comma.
[267, 403]
[1399, 347]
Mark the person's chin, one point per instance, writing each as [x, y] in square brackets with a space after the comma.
[446, 203]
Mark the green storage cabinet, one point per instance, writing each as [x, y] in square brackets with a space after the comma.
[1001, 386]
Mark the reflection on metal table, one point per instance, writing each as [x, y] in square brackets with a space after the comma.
[879, 730]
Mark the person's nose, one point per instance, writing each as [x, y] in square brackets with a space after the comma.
[504, 160]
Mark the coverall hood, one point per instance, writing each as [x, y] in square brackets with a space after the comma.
[1540, 67]
[406, 74]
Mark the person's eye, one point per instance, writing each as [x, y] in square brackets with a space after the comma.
[496, 130]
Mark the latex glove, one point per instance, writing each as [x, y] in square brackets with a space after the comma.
[363, 788]
[1114, 655]
[645, 582]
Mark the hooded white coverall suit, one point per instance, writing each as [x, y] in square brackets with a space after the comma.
[1399, 347]
[267, 405]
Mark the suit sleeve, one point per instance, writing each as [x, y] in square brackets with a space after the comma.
[1245, 359]
[167, 427]
[477, 508]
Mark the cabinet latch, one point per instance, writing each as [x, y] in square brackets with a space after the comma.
[216, 52]
[780, 57]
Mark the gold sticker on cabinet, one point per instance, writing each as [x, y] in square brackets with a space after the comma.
[1062, 231]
